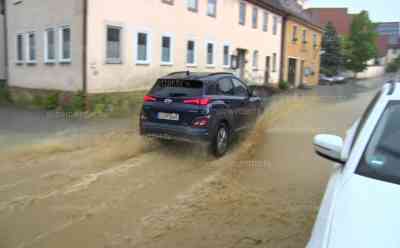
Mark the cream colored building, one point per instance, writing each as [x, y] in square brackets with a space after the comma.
[123, 45]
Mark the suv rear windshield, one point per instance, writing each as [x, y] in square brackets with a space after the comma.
[381, 159]
[177, 88]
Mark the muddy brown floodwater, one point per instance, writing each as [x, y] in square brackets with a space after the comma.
[116, 189]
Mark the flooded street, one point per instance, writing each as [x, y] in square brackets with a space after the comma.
[112, 188]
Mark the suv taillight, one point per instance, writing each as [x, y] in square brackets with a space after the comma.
[149, 99]
[201, 122]
[198, 101]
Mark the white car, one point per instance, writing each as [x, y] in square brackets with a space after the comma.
[361, 206]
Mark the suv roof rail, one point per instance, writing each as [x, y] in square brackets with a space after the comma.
[219, 73]
[179, 72]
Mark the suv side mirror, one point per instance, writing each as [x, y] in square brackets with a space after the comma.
[329, 147]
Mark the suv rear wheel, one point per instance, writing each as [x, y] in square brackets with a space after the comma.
[221, 141]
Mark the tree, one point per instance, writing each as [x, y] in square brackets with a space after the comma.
[332, 58]
[360, 46]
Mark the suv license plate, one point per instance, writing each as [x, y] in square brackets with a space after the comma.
[168, 116]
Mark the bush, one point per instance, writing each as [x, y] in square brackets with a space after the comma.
[4, 95]
[51, 101]
[283, 85]
[73, 103]
[394, 66]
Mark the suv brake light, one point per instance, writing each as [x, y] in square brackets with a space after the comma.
[198, 101]
[149, 98]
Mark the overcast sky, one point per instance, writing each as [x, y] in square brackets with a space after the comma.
[380, 10]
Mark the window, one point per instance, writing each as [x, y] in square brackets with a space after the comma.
[365, 117]
[192, 5]
[143, 48]
[226, 56]
[225, 86]
[381, 158]
[242, 13]
[166, 50]
[274, 62]
[315, 40]
[50, 46]
[212, 8]
[275, 26]
[65, 44]
[304, 36]
[20, 48]
[171, 2]
[210, 53]
[294, 34]
[113, 45]
[31, 47]
[177, 87]
[255, 17]
[239, 88]
[255, 59]
[265, 21]
[191, 53]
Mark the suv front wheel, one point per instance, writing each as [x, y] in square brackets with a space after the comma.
[220, 142]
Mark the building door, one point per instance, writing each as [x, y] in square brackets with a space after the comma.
[302, 72]
[242, 62]
[292, 72]
[267, 69]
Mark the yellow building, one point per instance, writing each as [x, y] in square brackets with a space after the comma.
[301, 52]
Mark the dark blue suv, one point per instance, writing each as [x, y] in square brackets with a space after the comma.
[206, 108]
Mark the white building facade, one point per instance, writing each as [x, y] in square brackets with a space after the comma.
[105, 46]
[3, 69]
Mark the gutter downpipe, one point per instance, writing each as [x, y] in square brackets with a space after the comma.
[84, 47]
[283, 50]
[6, 41]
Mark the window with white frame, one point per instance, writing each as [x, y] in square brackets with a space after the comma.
[274, 62]
[20, 48]
[65, 44]
[242, 13]
[275, 25]
[113, 49]
[31, 47]
[255, 59]
[226, 55]
[265, 21]
[210, 49]
[166, 49]
[192, 5]
[50, 45]
[191, 52]
[255, 17]
[143, 48]
[212, 8]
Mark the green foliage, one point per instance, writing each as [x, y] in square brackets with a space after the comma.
[394, 66]
[283, 85]
[360, 46]
[51, 101]
[332, 58]
[4, 95]
[74, 103]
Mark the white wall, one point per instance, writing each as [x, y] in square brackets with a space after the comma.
[37, 16]
[371, 71]
[158, 18]
[2, 50]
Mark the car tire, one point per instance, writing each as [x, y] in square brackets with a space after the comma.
[220, 143]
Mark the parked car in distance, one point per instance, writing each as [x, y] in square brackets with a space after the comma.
[362, 200]
[206, 108]
[330, 80]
